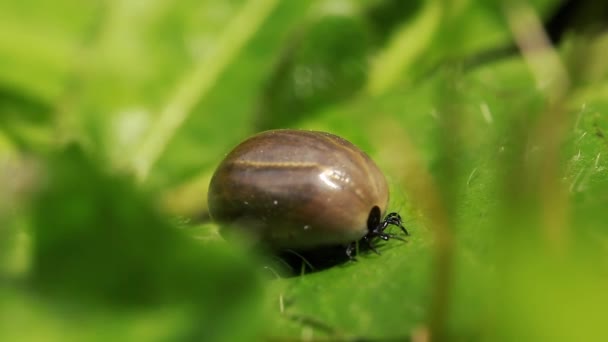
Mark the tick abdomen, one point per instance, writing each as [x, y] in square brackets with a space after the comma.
[297, 189]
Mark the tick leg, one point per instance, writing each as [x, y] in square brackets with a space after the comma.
[370, 245]
[395, 220]
[349, 251]
[393, 236]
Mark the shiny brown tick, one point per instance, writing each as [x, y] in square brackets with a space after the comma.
[300, 190]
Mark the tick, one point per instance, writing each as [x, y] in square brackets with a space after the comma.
[301, 190]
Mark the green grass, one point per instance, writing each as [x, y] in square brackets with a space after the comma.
[113, 116]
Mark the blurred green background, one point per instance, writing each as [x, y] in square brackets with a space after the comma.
[487, 117]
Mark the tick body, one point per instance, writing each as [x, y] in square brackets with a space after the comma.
[296, 189]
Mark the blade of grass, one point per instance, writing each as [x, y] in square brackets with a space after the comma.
[197, 82]
[408, 43]
[552, 78]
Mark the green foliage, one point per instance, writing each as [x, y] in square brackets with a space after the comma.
[114, 114]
